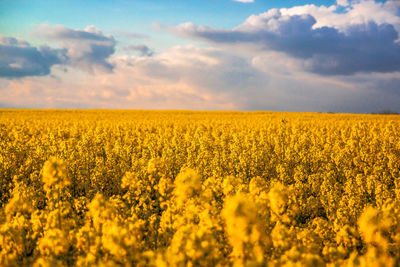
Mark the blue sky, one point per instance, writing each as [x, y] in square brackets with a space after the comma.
[114, 14]
[205, 54]
[18, 17]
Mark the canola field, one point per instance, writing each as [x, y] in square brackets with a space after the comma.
[185, 188]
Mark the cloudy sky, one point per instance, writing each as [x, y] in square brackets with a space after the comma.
[287, 55]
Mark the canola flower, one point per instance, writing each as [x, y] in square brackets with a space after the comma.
[183, 188]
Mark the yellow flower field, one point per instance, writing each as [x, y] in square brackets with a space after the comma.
[185, 188]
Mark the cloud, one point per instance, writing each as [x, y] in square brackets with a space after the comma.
[357, 12]
[19, 59]
[272, 61]
[143, 50]
[180, 78]
[88, 49]
[342, 2]
[189, 77]
[327, 50]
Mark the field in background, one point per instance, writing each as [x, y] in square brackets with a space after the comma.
[182, 188]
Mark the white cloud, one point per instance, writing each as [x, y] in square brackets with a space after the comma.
[364, 41]
[88, 49]
[358, 12]
[270, 62]
[342, 2]
[205, 78]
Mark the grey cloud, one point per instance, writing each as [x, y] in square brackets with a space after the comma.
[143, 50]
[19, 59]
[88, 49]
[60, 32]
[361, 48]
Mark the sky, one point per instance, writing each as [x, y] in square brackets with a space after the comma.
[286, 55]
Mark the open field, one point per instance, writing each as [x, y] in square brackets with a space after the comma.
[183, 188]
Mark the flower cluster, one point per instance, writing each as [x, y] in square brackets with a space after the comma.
[181, 188]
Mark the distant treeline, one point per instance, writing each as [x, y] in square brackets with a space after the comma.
[386, 112]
